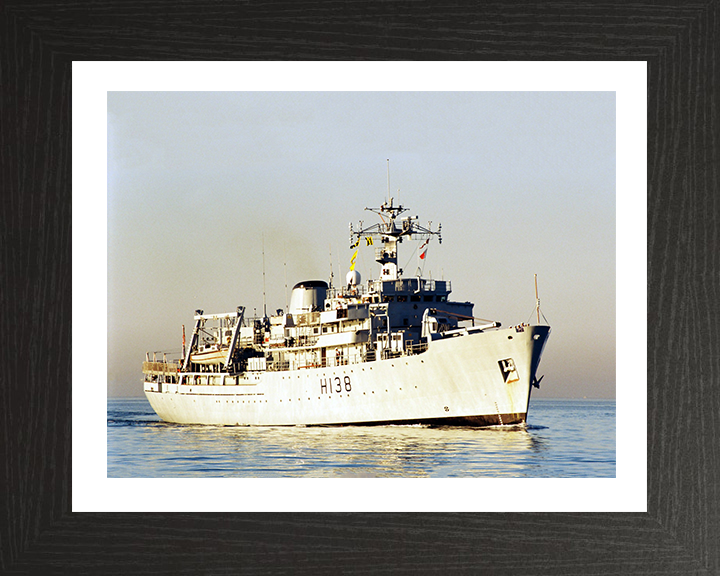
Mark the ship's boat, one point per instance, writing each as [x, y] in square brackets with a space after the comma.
[395, 349]
[213, 354]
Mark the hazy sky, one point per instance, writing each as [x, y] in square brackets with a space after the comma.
[522, 182]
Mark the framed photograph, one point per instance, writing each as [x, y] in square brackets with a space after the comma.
[68, 515]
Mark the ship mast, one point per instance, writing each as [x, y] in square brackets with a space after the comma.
[391, 231]
[263, 270]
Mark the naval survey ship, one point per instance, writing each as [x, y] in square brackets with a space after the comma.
[392, 350]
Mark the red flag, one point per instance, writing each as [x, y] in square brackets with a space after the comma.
[423, 245]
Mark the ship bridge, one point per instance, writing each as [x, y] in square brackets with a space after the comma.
[417, 289]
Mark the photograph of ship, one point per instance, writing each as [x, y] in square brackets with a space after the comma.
[391, 351]
[290, 272]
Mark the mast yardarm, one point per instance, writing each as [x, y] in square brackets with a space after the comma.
[390, 231]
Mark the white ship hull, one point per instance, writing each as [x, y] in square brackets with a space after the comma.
[462, 380]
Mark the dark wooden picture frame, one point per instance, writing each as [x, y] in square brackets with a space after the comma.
[680, 532]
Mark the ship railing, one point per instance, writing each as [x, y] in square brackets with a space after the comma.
[161, 368]
[410, 285]
[327, 362]
[387, 354]
[384, 254]
[162, 371]
[345, 292]
[403, 285]
[332, 361]
[278, 366]
[306, 340]
[415, 347]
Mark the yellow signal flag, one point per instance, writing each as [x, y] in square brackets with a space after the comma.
[352, 260]
[368, 241]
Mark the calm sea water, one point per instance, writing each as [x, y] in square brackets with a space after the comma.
[563, 439]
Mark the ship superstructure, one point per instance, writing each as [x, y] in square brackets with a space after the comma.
[395, 349]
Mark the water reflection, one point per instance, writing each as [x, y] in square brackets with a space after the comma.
[348, 452]
[564, 439]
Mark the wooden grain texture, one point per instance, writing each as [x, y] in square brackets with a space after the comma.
[680, 534]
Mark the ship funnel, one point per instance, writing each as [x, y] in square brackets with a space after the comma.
[308, 296]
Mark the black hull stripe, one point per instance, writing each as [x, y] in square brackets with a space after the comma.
[474, 421]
